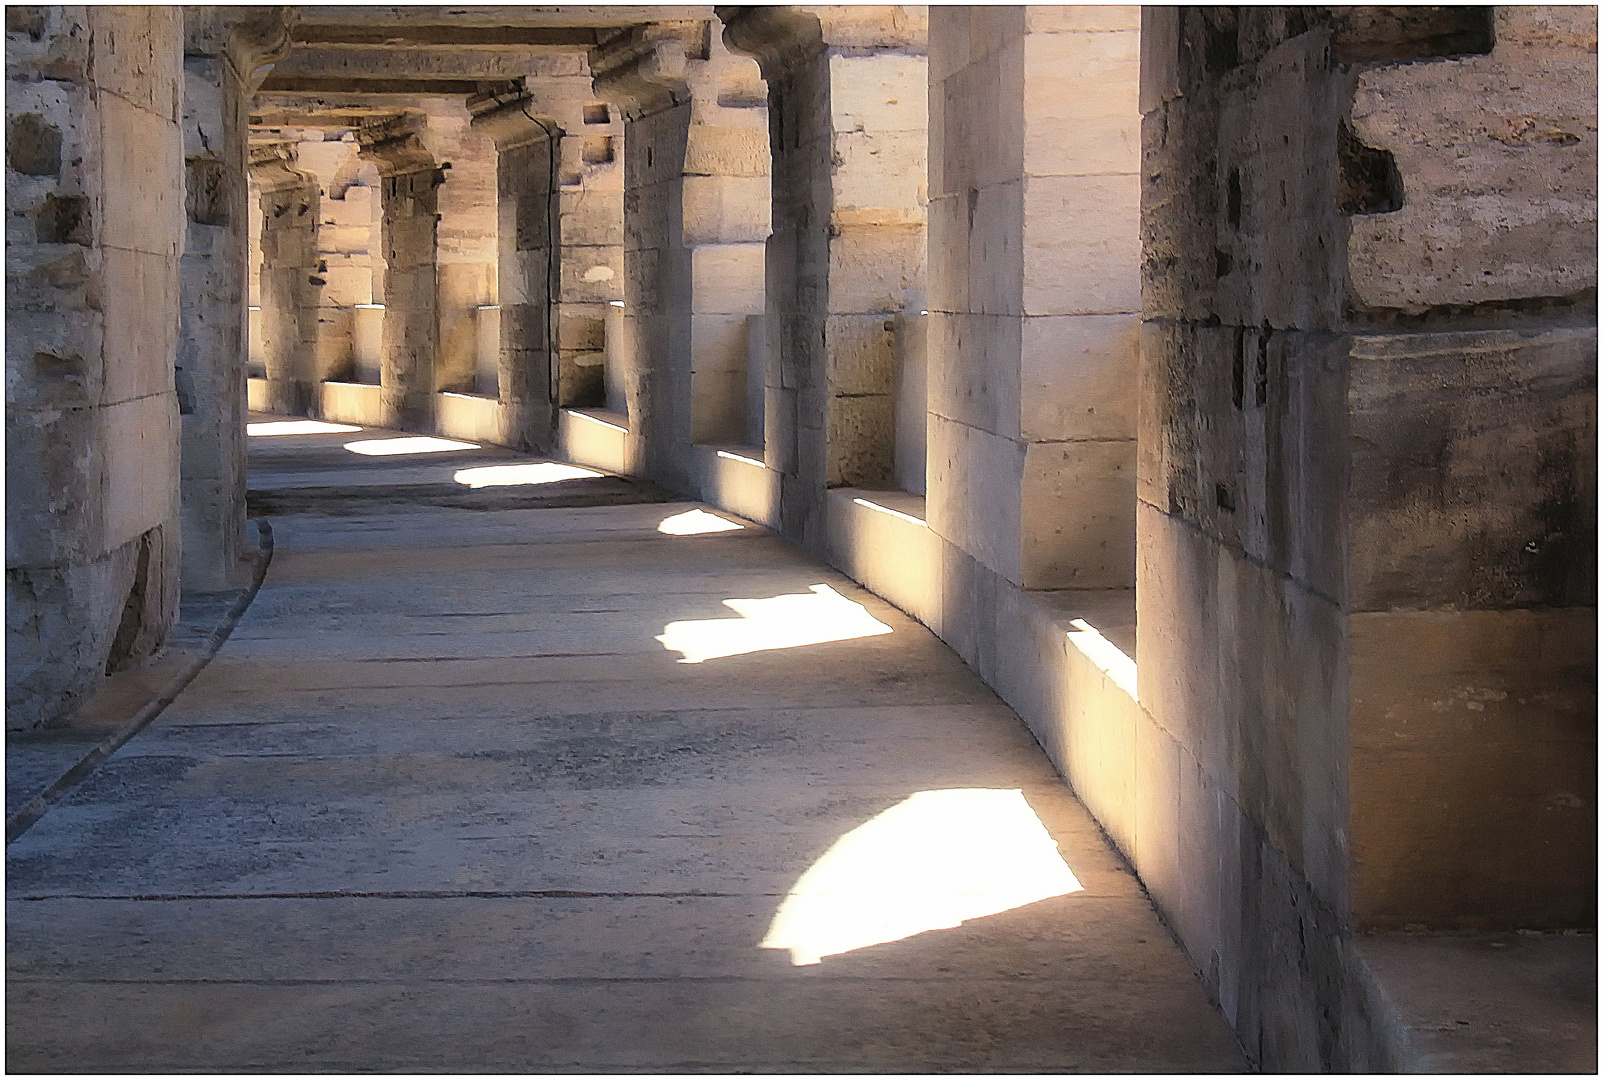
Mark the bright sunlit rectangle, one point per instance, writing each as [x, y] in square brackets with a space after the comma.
[540, 472]
[931, 862]
[776, 622]
[413, 444]
[696, 523]
[296, 427]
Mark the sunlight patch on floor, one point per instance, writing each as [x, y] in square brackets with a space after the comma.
[295, 427]
[540, 472]
[411, 444]
[695, 523]
[931, 862]
[775, 622]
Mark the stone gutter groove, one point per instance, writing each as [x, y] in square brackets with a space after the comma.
[24, 819]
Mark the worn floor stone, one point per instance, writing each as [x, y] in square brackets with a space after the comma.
[444, 803]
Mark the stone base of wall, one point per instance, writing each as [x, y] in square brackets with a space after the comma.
[472, 417]
[734, 478]
[597, 438]
[68, 626]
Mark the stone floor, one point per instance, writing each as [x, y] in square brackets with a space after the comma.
[447, 802]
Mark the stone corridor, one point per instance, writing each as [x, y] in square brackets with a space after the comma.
[444, 802]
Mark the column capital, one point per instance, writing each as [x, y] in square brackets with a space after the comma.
[780, 37]
[249, 37]
[512, 116]
[643, 70]
[395, 145]
[272, 166]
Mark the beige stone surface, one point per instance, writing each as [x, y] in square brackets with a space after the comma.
[1498, 157]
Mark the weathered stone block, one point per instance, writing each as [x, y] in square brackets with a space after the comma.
[1486, 496]
[875, 269]
[878, 93]
[1456, 763]
[1076, 376]
[974, 370]
[974, 499]
[1500, 178]
[1077, 513]
[1084, 83]
[727, 279]
[1092, 216]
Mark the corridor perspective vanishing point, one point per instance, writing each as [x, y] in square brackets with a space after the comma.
[831, 538]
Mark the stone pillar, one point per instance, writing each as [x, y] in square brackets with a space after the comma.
[291, 291]
[696, 218]
[1035, 290]
[527, 149]
[1367, 530]
[561, 236]
[466, 262]
[224, 50]
[342, 271]
[847, 108]
[94, 233]
[410, 179]
[696, 221]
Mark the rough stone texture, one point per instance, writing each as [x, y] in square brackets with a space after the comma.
[94, 232]
[1364, 558]
[466, 260]
[847, 113]
[1498, 156]
[411, 178]
[291, 290]
[223, 52]
[524, 269]
[1034, 292]
[560, 234]
[695, 218]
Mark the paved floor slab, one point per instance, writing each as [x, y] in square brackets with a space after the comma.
[445, 802]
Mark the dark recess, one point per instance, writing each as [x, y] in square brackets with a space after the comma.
[1368, 180]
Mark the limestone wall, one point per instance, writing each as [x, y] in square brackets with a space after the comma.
[695, 218]
[1339, 575]
[94, 232]
[847, 130]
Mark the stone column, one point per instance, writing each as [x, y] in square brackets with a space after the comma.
[224, 50]
[410, 178]
[847, 108]
[1367, 527]
[94, 233]
[290, 287]
[1035, 291]
[696, 218]
[466, 263]
[526, 153]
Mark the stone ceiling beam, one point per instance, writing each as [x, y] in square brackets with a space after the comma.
[415, 35]
[344, 85]
[501, 16]
[343, 62]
